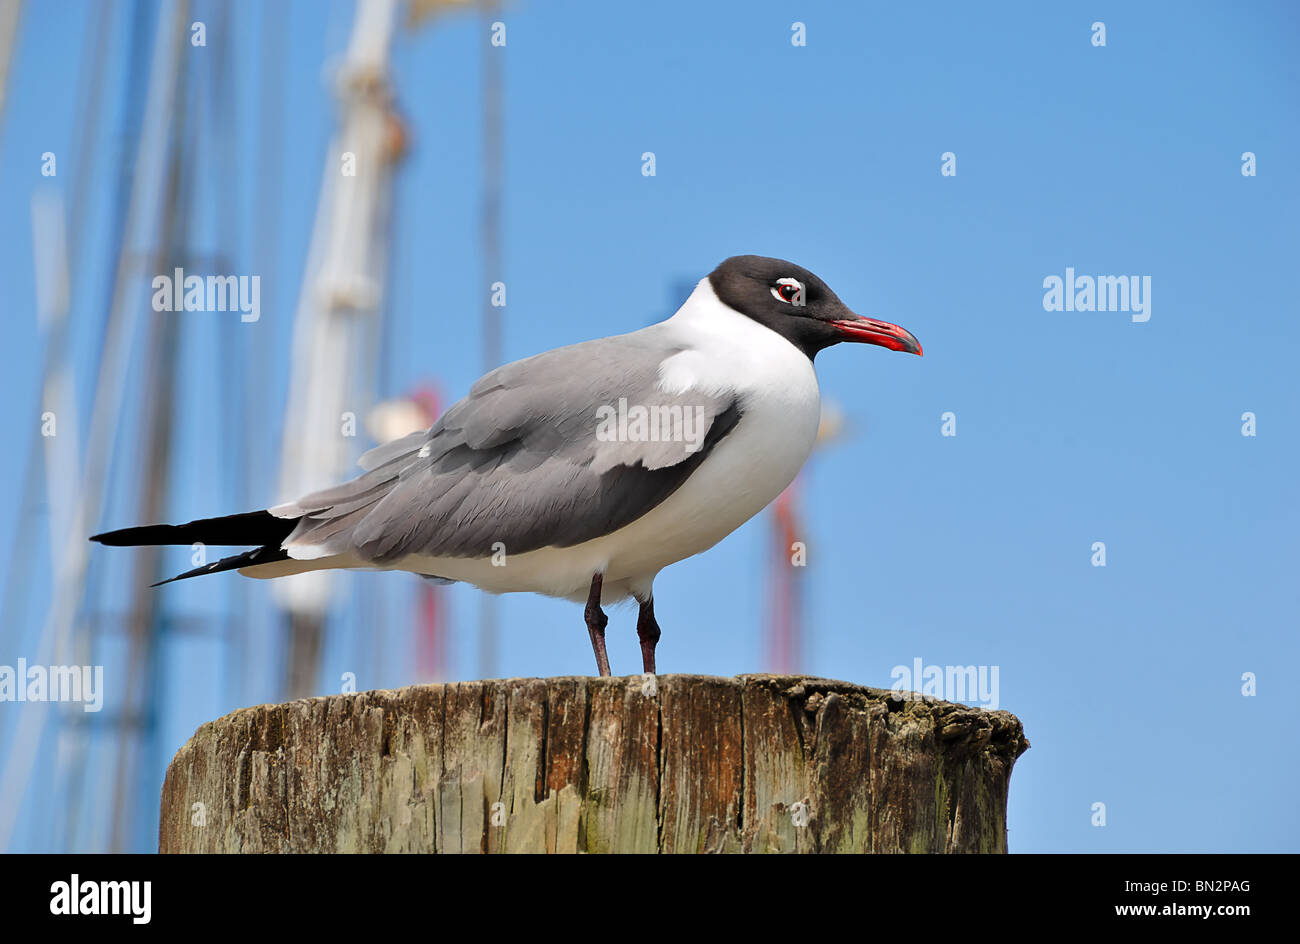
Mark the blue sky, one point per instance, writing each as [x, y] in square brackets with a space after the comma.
[1072, 427]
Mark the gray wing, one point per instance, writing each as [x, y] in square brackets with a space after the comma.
[526, 459]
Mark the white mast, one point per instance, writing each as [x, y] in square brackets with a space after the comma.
[339, 308]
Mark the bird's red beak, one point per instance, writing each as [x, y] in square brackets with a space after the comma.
[871, 331]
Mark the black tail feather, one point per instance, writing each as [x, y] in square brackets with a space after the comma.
[259, 555]
[253, 527]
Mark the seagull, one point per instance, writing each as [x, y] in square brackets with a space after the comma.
[581, 472]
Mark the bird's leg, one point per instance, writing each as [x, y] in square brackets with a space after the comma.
[596, 622]
[647, 631]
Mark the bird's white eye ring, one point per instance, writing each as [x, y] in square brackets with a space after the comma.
[789, 291]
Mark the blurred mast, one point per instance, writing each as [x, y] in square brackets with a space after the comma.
[339, 308]
[56, 249]
[69, 578]
[10, 14]
[785, 628]
[788, 561]
[491, 234]
[76, 735]
[241, 344]
[73, 733]
[138, 712]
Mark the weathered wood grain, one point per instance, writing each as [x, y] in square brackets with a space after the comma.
[674, 763]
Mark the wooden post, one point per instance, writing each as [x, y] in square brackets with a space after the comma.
[674, 763]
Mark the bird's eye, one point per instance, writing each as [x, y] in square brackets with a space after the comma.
[789, 291]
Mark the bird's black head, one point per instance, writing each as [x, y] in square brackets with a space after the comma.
[799, 306]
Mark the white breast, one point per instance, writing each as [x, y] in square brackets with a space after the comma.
[752, 465]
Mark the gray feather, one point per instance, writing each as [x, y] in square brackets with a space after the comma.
[519, 461]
